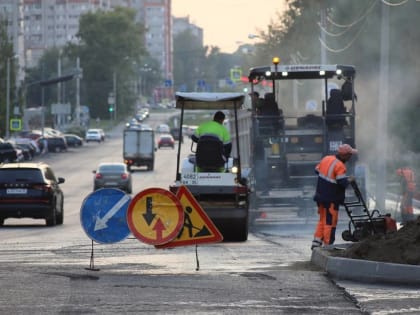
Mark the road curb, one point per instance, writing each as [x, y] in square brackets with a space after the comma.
[364, 270]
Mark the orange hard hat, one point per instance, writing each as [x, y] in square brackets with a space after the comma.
[345, 149]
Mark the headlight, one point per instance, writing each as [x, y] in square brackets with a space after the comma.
[234, 169]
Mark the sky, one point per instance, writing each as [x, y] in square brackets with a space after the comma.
[227, 23]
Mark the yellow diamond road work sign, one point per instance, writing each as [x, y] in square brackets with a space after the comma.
[155, 216]
[197, 226]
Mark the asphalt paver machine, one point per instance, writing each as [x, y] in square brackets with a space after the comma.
[317, 106]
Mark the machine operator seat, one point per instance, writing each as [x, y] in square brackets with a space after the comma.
[209, 155]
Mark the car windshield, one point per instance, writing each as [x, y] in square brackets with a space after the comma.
[111, 168]
[20, 175]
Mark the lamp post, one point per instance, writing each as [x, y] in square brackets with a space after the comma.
[7, 134]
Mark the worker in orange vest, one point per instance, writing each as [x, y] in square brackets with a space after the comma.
[330, 193]
[408, 187]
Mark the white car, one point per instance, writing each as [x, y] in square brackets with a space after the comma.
[94, 135]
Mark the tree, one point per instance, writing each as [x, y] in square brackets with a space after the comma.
[189, 61]
[110, 44]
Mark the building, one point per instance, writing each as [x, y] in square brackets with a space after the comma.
[182, 24]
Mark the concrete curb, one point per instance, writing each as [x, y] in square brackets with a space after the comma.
[364, 270]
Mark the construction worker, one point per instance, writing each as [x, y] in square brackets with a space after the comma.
[330, 193]
[213, 129]
[408, 187]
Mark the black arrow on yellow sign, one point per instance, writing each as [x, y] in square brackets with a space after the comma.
[149, 215]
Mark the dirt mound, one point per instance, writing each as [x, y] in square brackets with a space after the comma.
[402, 246]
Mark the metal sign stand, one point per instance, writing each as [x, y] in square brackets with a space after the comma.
[196, 258]
[92, 264]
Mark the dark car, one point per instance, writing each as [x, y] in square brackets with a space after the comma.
[55, 144]
[8, 152]
[112, 175]
[28, 150]
[30, 190]
[166, 140]
[175, 134]
[73, 140]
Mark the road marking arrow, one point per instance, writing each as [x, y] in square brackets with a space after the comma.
[102, 223]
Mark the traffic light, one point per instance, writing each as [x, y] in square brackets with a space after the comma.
[111, 109]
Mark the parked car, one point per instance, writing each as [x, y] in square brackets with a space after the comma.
[31, 190]
[112, 175]
[97, 135]
[10, 153]
[166, 140]
[28, 150]
[73, 140]
[55, 144]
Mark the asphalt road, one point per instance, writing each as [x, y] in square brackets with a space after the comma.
[49, 270]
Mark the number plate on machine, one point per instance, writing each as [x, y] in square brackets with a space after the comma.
[11, 191]
[189, 178]
[209, 179]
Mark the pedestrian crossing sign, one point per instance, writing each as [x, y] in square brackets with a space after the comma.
[15, 124]
[197, 228]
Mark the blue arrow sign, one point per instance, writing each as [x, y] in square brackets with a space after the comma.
[103, 215]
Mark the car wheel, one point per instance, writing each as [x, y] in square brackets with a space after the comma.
[2, 221]
[52, 219]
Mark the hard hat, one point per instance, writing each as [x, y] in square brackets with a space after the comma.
[345, 149]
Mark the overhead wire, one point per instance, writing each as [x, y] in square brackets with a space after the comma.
[363, 17]
[394, 4]
[345, 47]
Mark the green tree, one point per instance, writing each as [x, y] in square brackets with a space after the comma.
[110, 45]
[189, 61]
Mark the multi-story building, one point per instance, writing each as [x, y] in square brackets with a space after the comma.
[37, 25]
[12, 12]
[182, 24]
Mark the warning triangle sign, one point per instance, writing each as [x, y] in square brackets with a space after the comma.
[198, 227]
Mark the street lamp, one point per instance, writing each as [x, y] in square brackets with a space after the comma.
[8, 96]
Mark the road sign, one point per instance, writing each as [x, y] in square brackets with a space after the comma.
[235, 74]
[103, 215]
[155, 216]
[15, 124]
[198, 227]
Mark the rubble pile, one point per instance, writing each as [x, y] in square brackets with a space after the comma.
[401, 247]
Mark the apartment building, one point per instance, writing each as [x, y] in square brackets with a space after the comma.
[42, 24]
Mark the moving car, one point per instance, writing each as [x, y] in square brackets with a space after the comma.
[97, 135]
[166, 140]
[31, 190]
[163, 128]
[112, 175]
[175, 133]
